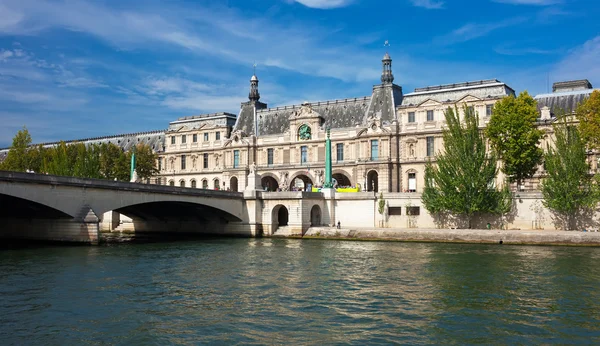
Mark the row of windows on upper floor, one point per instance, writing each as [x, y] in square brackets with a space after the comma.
[374, 145]
[195, 138]
[430, 113]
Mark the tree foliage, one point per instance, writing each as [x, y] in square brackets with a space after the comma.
[568, 188]
[100, 161]
[462, 182]
[588, 114]
[514, 136]
[17, 158]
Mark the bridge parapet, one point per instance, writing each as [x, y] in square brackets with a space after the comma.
[114, 185]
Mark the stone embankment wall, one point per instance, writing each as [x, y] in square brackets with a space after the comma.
[480, 236]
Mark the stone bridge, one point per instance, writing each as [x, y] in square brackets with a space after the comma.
[45, 207]
[66, 208]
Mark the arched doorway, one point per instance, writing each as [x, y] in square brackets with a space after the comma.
[279, 217]
[301, 183]
[315, 216]
[233, 184]
[342, 180]
[216, 184]
[269, 183]
[373, 181]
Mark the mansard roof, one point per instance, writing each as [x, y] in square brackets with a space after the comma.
[336, 114]
[483, 89]
[155, 139]
[195, 121]
[566, 101]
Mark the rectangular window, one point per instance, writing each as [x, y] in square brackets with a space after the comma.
[471, 111]
[182, 162]
[413, 210]
[205, 160]
[270, 156]
[303, 154]
[412, 182]
[339, 149]
[236, 158]
[430, 147]
[183, 139]
[395, 211]
[488, 110]
[206, 137]
[195, 138]
[160, 163]
[429, 115]
[374, 149]
[172, 139]
[411, 117]
[217, 136]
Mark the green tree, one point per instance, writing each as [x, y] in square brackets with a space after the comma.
[145, 161]
[17, 158]
[514, 136]
[588, 114]
[568, 188]
[462, 182]
[56, 161]
[110, 161]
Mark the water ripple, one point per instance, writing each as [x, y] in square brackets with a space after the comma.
[281, 291]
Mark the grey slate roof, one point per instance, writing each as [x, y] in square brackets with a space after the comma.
[155, 139]
[490, 88]
[383, 103]
[336, 114]
[563, 101]
[196, 121]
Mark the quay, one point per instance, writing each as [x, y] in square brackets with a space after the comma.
[474, 236]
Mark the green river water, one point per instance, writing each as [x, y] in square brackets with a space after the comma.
[288, 291]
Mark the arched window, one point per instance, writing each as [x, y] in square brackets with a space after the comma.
[204, 184]
[193, 183]
[216, 185]
[412, 181]
[182, 183]
[171, 183]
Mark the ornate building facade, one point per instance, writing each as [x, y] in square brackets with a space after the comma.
[379, 142]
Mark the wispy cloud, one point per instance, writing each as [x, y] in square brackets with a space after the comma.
[511, 50]
[429, 4]
[580, 63]
[472, 31]
[324, 4]
[530, 2]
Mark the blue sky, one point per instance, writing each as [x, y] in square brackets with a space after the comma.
[75, 69]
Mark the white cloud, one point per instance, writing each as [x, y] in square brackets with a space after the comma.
[428, 4]
[472, 31]
[324, 4]
[530, 2]
[580, 63]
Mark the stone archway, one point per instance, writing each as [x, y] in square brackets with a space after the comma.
[301, 182]
[233, 184]
[342, 179]
[315, 216]
[269, 183]
[373, 181]
[279, 217]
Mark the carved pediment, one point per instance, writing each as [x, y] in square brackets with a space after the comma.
[469, 98]
[305, 111]
[429, 103]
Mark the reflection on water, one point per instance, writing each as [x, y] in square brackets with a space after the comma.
[274, 291]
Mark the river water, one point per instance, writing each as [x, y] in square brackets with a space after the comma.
[283, 291]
